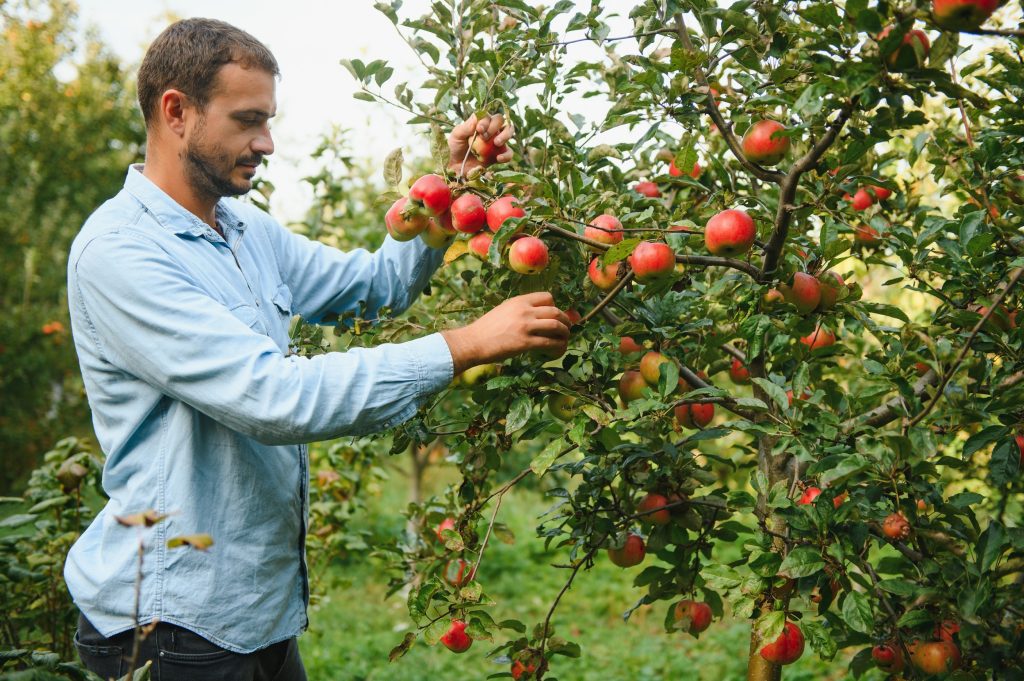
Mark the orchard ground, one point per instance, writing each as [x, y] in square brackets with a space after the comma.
[354, 628]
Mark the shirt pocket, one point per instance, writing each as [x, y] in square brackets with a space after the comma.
[282, 306]
[250, 316]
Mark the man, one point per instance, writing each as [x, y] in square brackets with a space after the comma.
[180, 302]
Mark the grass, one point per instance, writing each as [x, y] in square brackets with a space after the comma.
[354, 628]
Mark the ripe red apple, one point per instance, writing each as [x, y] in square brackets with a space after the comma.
[819, 338]
[502, 209]
[519, 668]
[401, 225]
[628, 346]
[604, 277]
[896, 526]
[456, 639]
[730, 233]
[764, 144]
[911, 52]
[888, 657]
[631, 386]
[787, 648]
[528, 255]
[1019, 439]
[946, 630]
[772, 296]
[456, 572]
[480, 244]
[562, 407]
[446, 524]
[468, 214]
[573, 316]
[804, 293]
[631, 553]
[738, 372]
[830, 284]
[697, 415]
[652, 260]
[962, 14]
[936, 657]
[438, 233]
[866, 235]
[604, 228]
[693, 616]
[647, 189]
[804, 396]
[486, 151]
[809, 495]
[861, 199]
[654, 501]
[881, 193]
[674, 171]
[431, 192]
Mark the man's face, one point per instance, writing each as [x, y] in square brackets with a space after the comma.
[230, 138]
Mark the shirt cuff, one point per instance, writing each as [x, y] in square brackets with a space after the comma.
[434, 360]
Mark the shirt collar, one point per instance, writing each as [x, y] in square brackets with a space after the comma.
[173, 216]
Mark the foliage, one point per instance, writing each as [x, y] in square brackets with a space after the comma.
[69, 129]
[37, 617]
[915, 403]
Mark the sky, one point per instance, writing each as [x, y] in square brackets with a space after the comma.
[308, 38]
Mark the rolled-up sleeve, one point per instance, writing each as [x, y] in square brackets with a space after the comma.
[150, 319]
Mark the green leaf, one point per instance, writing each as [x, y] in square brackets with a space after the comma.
[769, 627]
[393, 167]
[619, 251]
[983, 438]
[803, 561]
[991, 545]
[752, 403]
[542, 462]
[857, 612]
[17, 520]
[775, 392]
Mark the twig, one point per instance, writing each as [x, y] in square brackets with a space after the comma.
[621, 284]
[487, 536]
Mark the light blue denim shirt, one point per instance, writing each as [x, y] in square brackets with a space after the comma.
[182, 337]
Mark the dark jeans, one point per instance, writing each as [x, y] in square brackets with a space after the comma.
[181, 655]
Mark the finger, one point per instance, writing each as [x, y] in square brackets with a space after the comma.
[549, 328]
[505, 156]
[503, 135]
[495, 125]
[464, 130]
[483, 127]
[538, 298]
[551, 312]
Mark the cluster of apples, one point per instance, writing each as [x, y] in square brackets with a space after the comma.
[938, 656]
[650, 260]
[634, 382]
[809, 294]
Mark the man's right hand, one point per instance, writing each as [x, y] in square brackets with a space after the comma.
[526, 322]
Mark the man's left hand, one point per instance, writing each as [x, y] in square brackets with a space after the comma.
[490, 129]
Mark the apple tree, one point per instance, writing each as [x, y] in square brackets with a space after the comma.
[788, 234]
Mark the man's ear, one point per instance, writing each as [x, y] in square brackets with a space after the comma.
[173, 107]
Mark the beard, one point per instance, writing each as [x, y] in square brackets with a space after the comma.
[208, 169]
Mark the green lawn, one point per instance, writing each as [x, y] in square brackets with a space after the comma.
[352, 631]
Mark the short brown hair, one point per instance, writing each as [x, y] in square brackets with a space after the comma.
[188, 55]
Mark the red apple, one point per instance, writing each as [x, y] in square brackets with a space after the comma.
[628, 346]
[809, 495]
[738, 372]
[764, 144]
[1019, 439]
[456, 639]
[438, 233]
[652, 260]
[693, 616]
[468, 214]
[888, 657]
[772, 296]
[574, 316]
[456, 572]
[830, 283]
[911, 52]
[962, 14]
[604, 228]
[502, 209]
[403, 224]
[697, 415]
[480, 244]
[861, 199]
[631, 386]
[646, 507]
[936, 657]
[519, 668]
[946, 630]
[730, 233]
[787, 648]
[604, 277]
[803, 396]
[431, 192]
[804, 293]
[446, 524]
[631, 553]
[896, 526]
[881, 193]
[486, 151]
[866, 235]
[647, 189]
[650, 366]
[528, 255]
[674, 171]
[819, 338]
